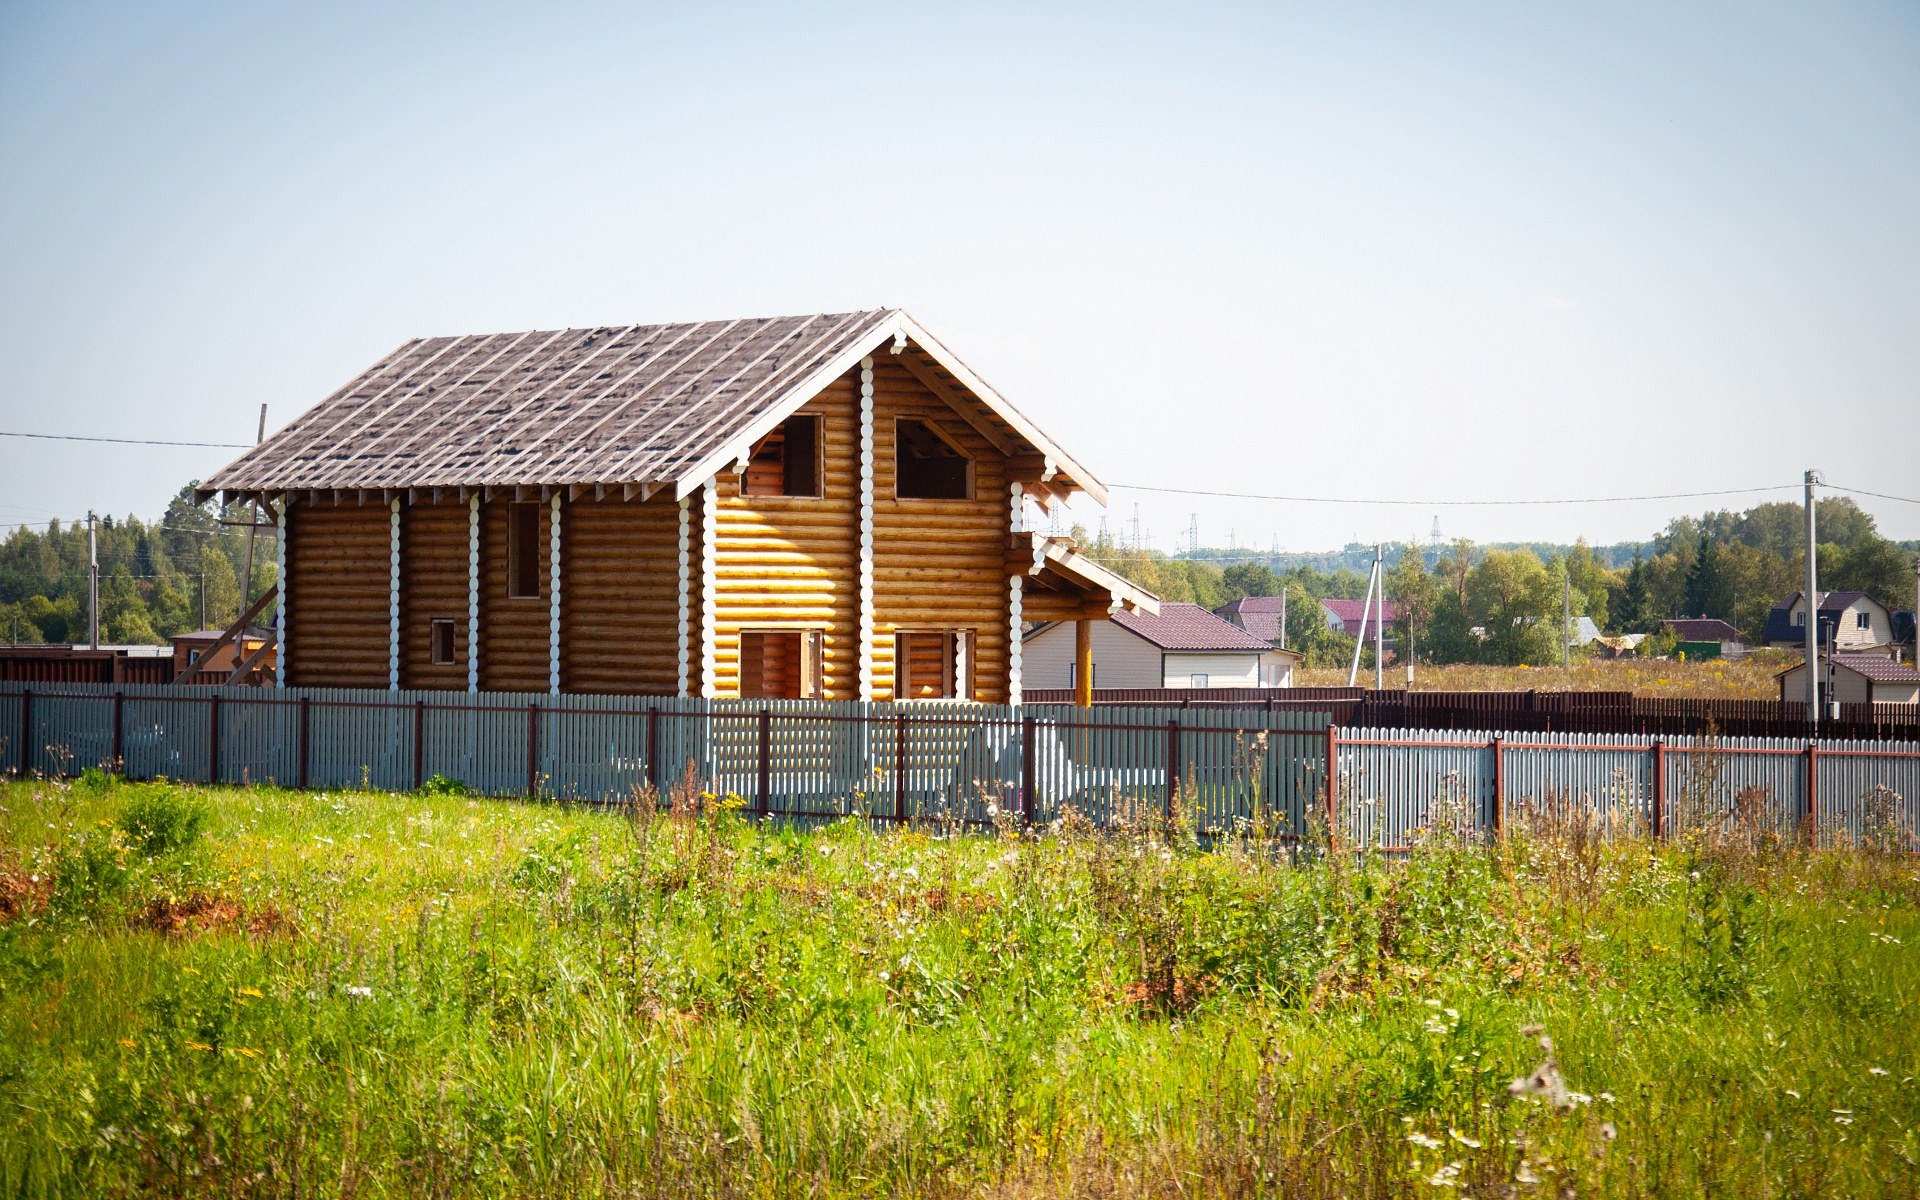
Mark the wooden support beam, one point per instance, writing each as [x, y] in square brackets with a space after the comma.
[954, 395]
[267, 597]
[1083, 663]
[253, 660]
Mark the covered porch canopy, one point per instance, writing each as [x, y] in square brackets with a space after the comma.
[1058, 583]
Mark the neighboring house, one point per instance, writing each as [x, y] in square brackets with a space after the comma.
[192, 650]
[1849, 621]
[1183, 646]
[1355, 617]
[1585, 631]
[1618, 646]
[1706, 637]
[829, 506]
[1903, 629]
[1262, 616]
[1854, 679]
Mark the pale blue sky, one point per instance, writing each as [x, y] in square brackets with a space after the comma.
[1390, 250]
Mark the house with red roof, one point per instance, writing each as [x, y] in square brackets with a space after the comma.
[1355, 617]
[1181, 646]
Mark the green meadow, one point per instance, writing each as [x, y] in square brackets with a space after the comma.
[259, 992]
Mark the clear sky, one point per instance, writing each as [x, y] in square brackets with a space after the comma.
[1356, 250]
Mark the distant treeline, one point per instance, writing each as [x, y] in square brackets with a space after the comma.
[1466, 603]
[153, 577]
[157, 579]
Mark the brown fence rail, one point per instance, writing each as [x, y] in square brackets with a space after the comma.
[1530, 711]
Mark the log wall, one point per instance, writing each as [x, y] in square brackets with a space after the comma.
[433, 585]
[620, 596]
[787, 562]
[938, 564]
[338, 595]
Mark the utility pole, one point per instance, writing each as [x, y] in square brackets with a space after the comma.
[1286, 587]
[203, 588]
[1566, 612]
[1812, 598]
[93, 583]
[1360, 637]
[1916, 611]
[253, 519]
[1379, 620]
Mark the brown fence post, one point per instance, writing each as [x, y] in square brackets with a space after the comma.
[1659, 790]
[1813, 795]
[765, 799]
[899, 766]
[213, 738]
[1173, 761]
[419, 744]
[301, 773]
[1333, 787]
[533, 751]
[653, 749]
[1027, 780]
[119, 764]
[1500, 785]
[26, 731]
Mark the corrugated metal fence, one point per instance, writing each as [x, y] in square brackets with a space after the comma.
[968, 762]
[1394, 782]
[919, 761]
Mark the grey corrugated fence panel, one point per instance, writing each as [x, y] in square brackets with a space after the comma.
[1610, 775]
[1389, 791]
[1867, 797]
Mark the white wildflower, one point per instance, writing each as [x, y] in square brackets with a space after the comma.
[357, 992]
[1424, 1142]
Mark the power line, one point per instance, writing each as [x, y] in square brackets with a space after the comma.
[1786, 487]
[73, 437]
[1834, 487]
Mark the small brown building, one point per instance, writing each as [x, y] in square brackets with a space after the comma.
[830, 506]
[213, 655]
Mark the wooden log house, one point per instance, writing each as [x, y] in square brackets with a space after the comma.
[830, 506]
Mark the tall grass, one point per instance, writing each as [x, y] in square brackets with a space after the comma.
[366, 994]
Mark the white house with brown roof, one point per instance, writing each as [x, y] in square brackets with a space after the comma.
[1182, 646]
[1854, 679]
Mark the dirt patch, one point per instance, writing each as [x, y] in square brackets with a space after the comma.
[21, 895]
[204, 913]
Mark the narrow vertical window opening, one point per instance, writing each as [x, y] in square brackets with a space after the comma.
[523, 551]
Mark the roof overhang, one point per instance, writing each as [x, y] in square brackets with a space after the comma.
[1064, 579]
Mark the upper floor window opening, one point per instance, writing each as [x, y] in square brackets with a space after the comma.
[927, 466]
[787, 461]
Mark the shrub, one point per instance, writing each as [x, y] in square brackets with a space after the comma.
[440, 785]
[159, 823]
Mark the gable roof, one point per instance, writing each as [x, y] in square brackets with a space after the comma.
[1703, 629]
[642, 407]
[1188, 627]
[1258, 615]
[1353, 612]
[1780, 626]
[1880, 668]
